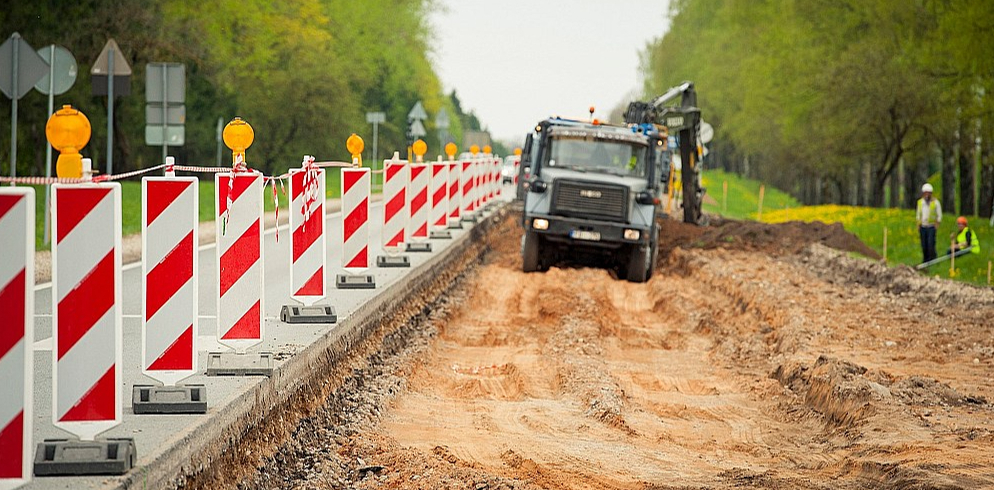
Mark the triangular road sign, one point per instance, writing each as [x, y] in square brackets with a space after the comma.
[121, 67]
[418, 112]
[418, 129]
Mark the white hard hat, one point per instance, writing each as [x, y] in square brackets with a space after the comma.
[927, 188]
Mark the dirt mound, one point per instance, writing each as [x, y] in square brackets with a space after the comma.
[779, 238]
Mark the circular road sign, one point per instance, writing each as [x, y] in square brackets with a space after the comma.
[707, 132]
[64, 68]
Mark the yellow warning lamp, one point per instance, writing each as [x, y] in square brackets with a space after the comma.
[591, 112]
[450, 150]
[517, 152]
[238, 135]
[486, 149]
[68, 131]
[355, 146]
[420, 148]
[474, 149]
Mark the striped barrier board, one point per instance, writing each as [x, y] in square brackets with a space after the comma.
[418, 202]
[395, 209]
[478, 189]
[239, 259]
[308, 261]
[468, 196]
[17, 240]
[86, 308]
[439, 194]
[495, 179]
[355, 217]
[455, 197]
[517, 169]
[170, 217]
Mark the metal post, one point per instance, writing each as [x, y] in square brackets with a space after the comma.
[165, 105]
[376, 126]
[220, 124]
[48, 147]
[110, 112]
[13, 109]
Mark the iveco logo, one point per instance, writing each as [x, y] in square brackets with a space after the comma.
[591, 194]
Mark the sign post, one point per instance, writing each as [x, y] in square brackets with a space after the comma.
[111, 76]
[25, 68]
[60, 78]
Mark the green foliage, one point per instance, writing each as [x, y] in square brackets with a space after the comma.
[742, 199]
[302, 72]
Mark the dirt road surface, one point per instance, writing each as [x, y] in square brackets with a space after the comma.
[756, 357]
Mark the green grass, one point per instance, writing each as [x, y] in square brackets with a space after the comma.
[868, 224]
[742, 201]
[131, 210]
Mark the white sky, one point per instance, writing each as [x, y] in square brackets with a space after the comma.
[515, 62]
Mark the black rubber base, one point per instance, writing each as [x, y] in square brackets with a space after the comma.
[62, 457]
[149, 399]
[308, 314]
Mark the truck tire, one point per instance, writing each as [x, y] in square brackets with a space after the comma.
[639, 263]
[530, 252]
[654, 251]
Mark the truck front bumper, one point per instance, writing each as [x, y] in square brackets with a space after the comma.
[581, 232]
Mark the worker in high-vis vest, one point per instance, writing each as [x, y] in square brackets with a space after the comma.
[965, 240]
[928, 215]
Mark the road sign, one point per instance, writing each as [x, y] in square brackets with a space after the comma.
[63, 70]
[442, 119]
[103, 65]
[706, 132]
[21, 65]
[165, 112]
[376, 117]
[418, 129]
[417, 112]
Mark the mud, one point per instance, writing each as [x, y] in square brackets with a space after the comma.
[756, 357]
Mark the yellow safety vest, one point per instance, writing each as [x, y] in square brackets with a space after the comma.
[974, 242]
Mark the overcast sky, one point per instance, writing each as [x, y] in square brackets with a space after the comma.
[515, 62]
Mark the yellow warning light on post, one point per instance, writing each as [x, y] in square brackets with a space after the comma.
[238, 135]
[68, 131]
[487, 149]
[420, 148]
[451, 149]
[355, 145]
[517, 151]
[474, 149]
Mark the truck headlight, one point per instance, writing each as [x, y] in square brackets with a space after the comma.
[632, 234]
[540, 224]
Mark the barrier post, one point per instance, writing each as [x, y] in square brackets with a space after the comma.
[418, 201]
[440, 199]
[17, 278]
[355, 221]
[170, 327]
[239, 259]
[455, 196]
[308, 246]
[395, 179]
[87, 337]
[468, 179]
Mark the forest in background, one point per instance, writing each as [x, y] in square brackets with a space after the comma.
[302, 72]
[842, 101]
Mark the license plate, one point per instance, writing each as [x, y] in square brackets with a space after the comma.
[585, 235]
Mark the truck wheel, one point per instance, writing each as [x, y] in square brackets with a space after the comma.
[530, 253]
[654, 252]
[639, 267]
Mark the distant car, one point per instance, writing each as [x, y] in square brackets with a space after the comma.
[507, 170]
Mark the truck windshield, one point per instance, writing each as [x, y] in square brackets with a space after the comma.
[594, 155]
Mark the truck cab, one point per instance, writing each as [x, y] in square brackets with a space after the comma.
[593, 190]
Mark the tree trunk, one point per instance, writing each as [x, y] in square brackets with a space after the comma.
[948, 197]
[986, 189]
[879, 181]
[966, 178]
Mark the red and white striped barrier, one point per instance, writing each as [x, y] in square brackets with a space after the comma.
[355, 217]
[170, 216]
[439, 194]
[495, 179]
[239, 254]
[86, 307]
[308, 262]
[517, 169]
[468, 179]
[478, 187]
[455, 196]
[395, 177]
[418, 202]
[17, 240]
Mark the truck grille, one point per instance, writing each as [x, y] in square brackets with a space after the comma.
[590, 200]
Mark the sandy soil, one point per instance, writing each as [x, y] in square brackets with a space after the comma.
[756, 357]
